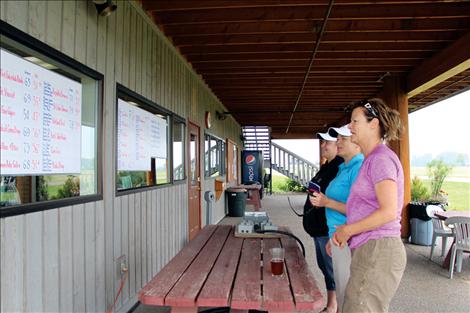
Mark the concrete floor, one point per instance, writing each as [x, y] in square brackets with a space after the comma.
[425, 286]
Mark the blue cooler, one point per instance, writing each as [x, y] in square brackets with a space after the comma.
[421, 232]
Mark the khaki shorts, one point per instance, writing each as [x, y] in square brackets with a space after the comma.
[376, 271]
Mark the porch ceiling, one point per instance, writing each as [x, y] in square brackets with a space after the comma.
[254, 55]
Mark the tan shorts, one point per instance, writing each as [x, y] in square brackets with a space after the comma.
[376, 271]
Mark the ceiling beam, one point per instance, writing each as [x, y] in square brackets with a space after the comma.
[292, 76]
[331, 69]
[282, 87]
[264, 86]
[309, 37]
[339, 100]
[330, 55]
[305, 47]
[455, 84]
[359, 25]
[300, 63]
[182, 5]
[445, 64]
[402, 10]
[290, 94]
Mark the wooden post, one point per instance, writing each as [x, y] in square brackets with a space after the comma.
[23, 185]
[394, 96]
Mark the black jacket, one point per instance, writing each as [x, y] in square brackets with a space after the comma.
[314, 219]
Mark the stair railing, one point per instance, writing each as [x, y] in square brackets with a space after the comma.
[292, 165]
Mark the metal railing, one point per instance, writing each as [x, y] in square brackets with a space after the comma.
[292, 165]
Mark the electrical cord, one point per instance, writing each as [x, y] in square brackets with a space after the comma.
[123, 282]
[261, 231]
[307, 212]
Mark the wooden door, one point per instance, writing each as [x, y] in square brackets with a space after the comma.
[194, 180]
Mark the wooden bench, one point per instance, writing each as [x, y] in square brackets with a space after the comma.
[217, 269]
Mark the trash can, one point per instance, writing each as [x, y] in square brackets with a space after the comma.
[236, 201]
[421, 232]
[418, 210]
[421, 224]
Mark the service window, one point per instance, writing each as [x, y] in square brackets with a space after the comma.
[214, 156]
[142, 142]
[50, 130]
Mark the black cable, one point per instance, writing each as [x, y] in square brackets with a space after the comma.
[306, 212]
[217, 310]
[260, 231]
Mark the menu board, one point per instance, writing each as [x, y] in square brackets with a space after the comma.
[40, 119]
[141, 137]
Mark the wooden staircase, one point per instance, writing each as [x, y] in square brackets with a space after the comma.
[292, 165]
[277, 157]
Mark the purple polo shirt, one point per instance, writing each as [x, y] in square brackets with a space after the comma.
[381, 164]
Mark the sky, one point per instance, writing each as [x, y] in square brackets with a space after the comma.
[440, 127]
[443, 126]
[305, 148]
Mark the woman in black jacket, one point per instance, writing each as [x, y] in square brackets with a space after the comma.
[314, 220]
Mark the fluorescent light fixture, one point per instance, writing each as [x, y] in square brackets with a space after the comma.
[41, 63]
[133, 103]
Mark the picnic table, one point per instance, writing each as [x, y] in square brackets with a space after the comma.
[254, 197]
[217, 269]
[446, 214]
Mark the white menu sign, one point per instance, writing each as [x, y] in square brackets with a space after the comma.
[141, 136]
[40, 119]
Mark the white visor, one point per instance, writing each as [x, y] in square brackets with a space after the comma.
[343, 131]
[325, 136]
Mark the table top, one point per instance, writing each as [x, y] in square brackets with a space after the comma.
[449, 213]
[252, 186]
[217, 269]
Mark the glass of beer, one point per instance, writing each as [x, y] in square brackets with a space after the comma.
[277, 261]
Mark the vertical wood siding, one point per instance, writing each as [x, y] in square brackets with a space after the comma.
[64, 259]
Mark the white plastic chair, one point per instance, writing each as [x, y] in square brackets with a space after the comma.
[462, 241]
[439, 230]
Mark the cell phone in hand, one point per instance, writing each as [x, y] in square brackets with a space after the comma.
[313, 187]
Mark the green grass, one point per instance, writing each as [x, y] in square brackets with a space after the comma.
[459, 194]
[278, 181]
[53, 190]
[458, 171]
[8, 196]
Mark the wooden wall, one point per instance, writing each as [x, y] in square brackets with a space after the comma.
[64, 259]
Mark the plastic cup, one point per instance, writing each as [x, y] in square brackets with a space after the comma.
[277, 261]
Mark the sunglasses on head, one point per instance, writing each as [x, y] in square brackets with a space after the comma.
[365, 104]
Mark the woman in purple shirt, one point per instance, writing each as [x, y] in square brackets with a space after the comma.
[373, 211]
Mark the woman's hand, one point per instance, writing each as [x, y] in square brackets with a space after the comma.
[342, 235]
[328, 248]
[318, 199]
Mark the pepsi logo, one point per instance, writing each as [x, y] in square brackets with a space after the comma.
[250, 159]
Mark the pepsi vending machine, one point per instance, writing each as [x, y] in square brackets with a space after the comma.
[252, 169]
